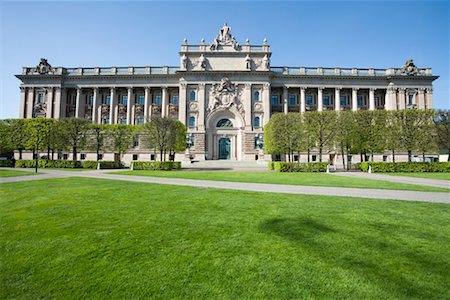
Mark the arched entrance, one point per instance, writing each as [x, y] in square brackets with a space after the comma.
[224, 148]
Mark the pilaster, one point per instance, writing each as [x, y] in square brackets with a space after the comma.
[30, 102]
[401, 99]
[371, 99]
[182, 103]
[164, 102]
[302, 99]
[112, 106]
[421, 104]
[266, 102]
[248, 106]
[146, 103]
[429, 98]
[49, 102]
[354, 99]
[95, 106]
[320, 99]
[22, 112]
[201, 105]
[78, 103]
[285, 100]
[129, 105]
[337, 99]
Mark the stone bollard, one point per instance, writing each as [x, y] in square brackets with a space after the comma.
[328, 169]
[98, 166]
[370, 170]
[132, 166]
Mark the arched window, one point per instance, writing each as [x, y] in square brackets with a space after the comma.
[191, 121]
[256, 96]
[224, 123]
[256, 122]
[192, 96]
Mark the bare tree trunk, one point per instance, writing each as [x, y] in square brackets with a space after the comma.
[320, 153]
[448, 158]
[74, 153]
[423, 156]
[409, 155]
[308, 154]
[393, 156]
[343, 158]
[20, 153]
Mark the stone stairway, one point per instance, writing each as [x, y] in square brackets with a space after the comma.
[225, 165]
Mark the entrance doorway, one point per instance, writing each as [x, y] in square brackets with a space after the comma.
[224, 148]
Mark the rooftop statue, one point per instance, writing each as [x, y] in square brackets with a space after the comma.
[224, 38]
[43, 67]
[409, 68]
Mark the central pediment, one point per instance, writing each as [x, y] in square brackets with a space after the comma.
[224, 53]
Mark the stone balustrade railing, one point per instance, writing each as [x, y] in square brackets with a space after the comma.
[243, 48]
[344, 71]
[105, 71]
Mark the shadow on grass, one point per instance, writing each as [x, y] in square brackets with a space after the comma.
[380, 253]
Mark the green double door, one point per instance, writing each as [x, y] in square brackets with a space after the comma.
[224, 148]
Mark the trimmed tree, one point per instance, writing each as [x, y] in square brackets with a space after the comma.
[322, 126]
[73, 132]
[442, 123]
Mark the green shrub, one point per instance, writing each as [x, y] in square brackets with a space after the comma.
[45, 163]
[271, 165]
[104, 164]
[5, 163]
[419, 167]
[156, 165]
[299, 167]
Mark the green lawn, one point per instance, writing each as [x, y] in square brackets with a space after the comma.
[75, 238]
[13, 173]
[444, 176]
[314, 179]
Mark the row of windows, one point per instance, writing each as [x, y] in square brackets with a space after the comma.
[344, 100]
[193, 96]
[140, 100]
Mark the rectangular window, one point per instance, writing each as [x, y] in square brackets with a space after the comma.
[135, 156]
[152, 156]
[100, 156]
[326, 100]
[343, 101]
[91, 99]
[275, 100]
[123, 121]
[124, 100]
[157, 100]
[385, 157]
[174, 100]
[314, 157]
[82, 156]
[139, 120]
[108, 100]
[410, 99]
[292, 100]
[309, 99]
[41, 97]
[105, 120]
[65, 156]
[141, 99]
[136, 142]
[360, 101]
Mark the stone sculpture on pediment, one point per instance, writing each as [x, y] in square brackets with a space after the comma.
[43, 67]
[40, 110]
[409, 68]
[224, 38]
[225, 94]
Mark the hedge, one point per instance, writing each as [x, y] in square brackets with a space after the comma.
[298, 167]
[156, 165]
[104, 164]
[5, 163]
[45, 163]
[387, 167]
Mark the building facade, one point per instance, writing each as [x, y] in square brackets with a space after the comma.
[224, 92]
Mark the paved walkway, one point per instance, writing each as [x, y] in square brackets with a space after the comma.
[399, 179]
[436, 197]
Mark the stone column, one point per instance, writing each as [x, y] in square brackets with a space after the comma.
[421, 104]
[201, 107]
[390, 99]
[23, 96]
[78, 103]
[302, 99]
[63, 103]
[95, 106]
[146, 103]
[266, 102]
[30, 102]
[320, 99]
[248, 106]
[429, 98]
[354, 99]
[164, 102]
[337, 99]
[182, 103]
[285, 100]
[371, 99]
[49, 103]
[112, 106]
[401, 98]
[57, 110]
[129, 105]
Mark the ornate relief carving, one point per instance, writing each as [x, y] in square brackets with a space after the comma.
[193, 106]
[156, 109]
[43, 67]
[258, 107]
[40, 110]
[225, 95]
[409, 68]
[224, 38]
[139, 109]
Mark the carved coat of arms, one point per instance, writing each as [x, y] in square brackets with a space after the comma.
[225, 95]
[43, 67]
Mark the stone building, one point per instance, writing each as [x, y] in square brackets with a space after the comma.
[225, 92]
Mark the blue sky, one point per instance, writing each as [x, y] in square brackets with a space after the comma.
[301, 33]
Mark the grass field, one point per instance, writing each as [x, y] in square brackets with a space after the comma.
[13, 173]
[444, 176]
[310, 179]
[77, 238]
